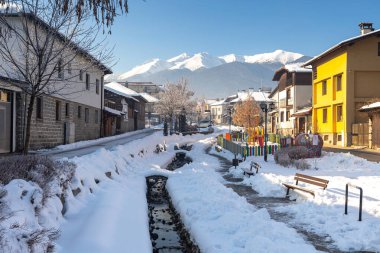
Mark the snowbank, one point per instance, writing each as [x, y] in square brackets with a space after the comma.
[324, 214]
[219, 219]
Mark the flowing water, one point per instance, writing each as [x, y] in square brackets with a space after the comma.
[168, 235]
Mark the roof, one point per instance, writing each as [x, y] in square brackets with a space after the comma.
[149, 98]
[258, 96]
[113, 111]
[59, 35]
[121, 90]
[302, 112]
[291, 68]
[370, 107]
[221, 102]
[340, 45]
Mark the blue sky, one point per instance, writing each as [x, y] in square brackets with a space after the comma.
[166, 28]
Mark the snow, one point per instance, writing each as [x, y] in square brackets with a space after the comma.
[324, 214]
[198, 61]
[152, 66]
[110, 214]
[121, 90]
[178, 58]
[81, 144]
[204, 60]
[221, 221]
[113, 111]
[149, 98]
[371, 106]
[232, 58]
[297, 67]
[276, 56]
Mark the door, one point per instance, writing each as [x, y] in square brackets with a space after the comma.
[5, 122]
[135, 120]
[301, 125]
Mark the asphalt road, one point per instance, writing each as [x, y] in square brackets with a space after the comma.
[58, 153]
[369, 155]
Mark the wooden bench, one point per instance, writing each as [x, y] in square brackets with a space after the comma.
[250, 171]
[306, 179]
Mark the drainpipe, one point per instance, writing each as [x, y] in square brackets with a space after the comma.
[101, 106]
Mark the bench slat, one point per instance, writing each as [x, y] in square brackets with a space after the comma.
[323, 185]
[312, 178]
[295, 187]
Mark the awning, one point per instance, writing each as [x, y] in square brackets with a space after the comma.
[302, 112]
[113, 111]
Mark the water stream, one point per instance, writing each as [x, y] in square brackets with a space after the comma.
[168, 234]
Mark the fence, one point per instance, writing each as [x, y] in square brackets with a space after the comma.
[244, 149]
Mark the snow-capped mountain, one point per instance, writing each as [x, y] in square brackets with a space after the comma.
[205, 72]
[197, 61]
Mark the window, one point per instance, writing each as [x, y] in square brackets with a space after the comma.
[96, 117]
[339, 82]
[339, 113]
[324, 87]
[324, 115]
[87, 81]
[282, 116]
[80, 75]
[378, 49]
[315, 73]
[339, 137]
[86, 115]
[69, 68]
[97, 86]
[67, 110]
[57, 110]
[60, 69]
[39, 108]
[287, 115]
[79, 112]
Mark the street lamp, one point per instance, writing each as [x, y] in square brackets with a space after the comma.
[266, 107]
[230, 109]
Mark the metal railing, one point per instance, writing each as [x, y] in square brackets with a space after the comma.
[361, 199]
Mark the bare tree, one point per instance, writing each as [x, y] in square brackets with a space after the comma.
[175, 99]
[247, 113]
[39, 42]
[104, 11]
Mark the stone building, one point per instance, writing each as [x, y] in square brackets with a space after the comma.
[56, 118]
[124, 109]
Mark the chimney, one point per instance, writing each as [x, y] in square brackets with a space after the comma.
[365, 28]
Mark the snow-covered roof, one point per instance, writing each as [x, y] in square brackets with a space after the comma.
[302, 112]
[221, 102]
[121, 90]
[372, 106]
[149, 98]
[296, 67]
[339, 45]
[258, 96]
[113, 111]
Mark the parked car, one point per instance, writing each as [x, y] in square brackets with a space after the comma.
[204, 124]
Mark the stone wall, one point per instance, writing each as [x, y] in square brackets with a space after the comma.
[48, 131]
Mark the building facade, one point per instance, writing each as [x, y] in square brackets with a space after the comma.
[72, 114]
[345, 77]
[292, 94]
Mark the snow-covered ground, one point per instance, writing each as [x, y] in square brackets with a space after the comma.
[109, 210]
[324, 214]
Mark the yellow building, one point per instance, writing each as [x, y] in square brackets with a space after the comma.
[345, 77]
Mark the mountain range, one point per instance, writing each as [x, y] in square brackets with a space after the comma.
[211, 76]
